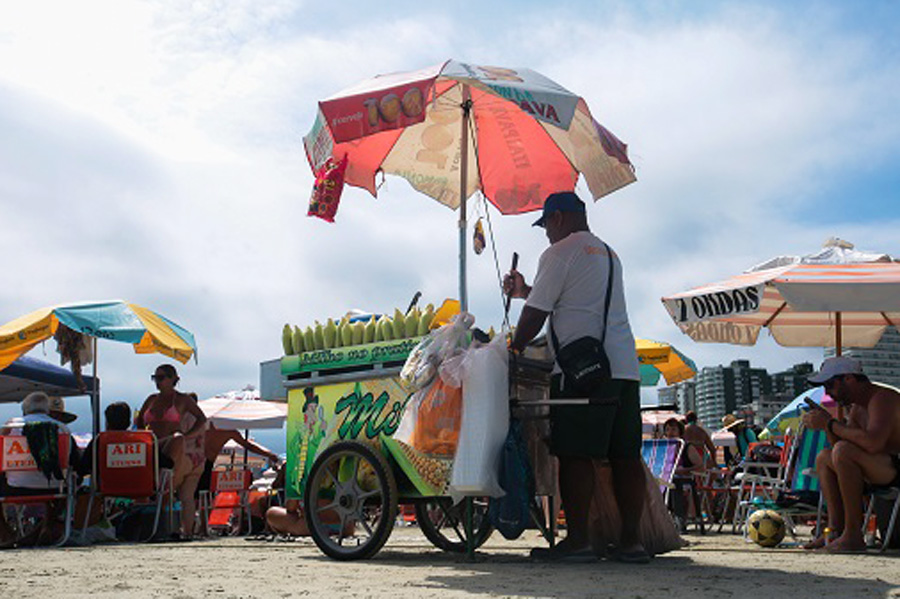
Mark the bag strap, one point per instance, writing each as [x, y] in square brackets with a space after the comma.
[609, 285]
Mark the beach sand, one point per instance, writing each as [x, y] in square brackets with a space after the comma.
[715, 565]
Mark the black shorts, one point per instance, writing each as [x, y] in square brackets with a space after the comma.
[610, 430]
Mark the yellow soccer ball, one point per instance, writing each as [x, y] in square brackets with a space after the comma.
[766, 528]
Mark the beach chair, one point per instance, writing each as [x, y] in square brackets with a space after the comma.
[229, 490]
[800, 494]
[753, 479]
[661, 457]
[887, 493]
[127, 467]
[17, 457]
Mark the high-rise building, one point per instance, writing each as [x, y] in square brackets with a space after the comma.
[880, 363]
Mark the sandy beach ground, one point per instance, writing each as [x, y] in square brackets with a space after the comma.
[715, 565]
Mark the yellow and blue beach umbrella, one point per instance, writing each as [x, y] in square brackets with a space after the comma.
[115, 320]
[661, 359]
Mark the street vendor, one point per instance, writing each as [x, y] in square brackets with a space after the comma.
[865, 448]
[570, 289]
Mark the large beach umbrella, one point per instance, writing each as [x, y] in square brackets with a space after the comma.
[115, 320]
[453, 129]
[661, 359]
[836, 297]
[242, 410]
[789, 416]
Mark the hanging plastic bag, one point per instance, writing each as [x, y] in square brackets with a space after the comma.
[438, 420]
[511, 514]
[327, 189]
[485, 421]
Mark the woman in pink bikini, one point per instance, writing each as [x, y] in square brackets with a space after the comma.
[177, 421]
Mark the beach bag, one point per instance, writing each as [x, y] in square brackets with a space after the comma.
[511, 514]
[485, 421]
[438, 419]
[327, 189]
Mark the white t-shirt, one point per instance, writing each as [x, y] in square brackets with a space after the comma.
[571, 284]
[33, 480]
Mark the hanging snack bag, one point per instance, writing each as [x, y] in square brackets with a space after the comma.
[438, 419]
[327, 190]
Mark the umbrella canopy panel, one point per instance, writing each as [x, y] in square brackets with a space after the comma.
[661, 359]
[836, 297]
[116, 320]
[529, 136]
[789, 416]
[241, 410]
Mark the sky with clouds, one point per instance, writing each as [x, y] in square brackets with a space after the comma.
[152, 151]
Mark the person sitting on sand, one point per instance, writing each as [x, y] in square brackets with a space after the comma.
[166, 414]
[864, 448]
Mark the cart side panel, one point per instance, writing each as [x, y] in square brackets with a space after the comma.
[323, 413]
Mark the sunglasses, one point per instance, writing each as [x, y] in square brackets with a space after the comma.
[158, 377]
[830, 382]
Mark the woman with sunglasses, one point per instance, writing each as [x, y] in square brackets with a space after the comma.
[175, 419]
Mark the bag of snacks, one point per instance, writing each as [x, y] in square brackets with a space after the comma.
[327, 189]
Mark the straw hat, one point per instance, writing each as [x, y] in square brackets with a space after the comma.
[58, 410]
[729, 421]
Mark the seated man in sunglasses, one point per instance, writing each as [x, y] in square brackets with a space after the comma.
[864, 447]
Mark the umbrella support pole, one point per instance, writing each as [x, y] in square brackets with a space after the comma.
[463, 178]
[95, 415]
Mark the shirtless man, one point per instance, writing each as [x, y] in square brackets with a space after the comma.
[864, 449]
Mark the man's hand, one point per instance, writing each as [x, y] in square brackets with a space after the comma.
[514, 285]
[816, 419]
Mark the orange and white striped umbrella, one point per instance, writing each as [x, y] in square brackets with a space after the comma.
[836, 297]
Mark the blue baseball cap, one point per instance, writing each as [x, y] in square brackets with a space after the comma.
[562, 201]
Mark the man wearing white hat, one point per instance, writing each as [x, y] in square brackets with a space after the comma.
[864, 447]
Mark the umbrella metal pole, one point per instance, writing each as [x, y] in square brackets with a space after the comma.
[95, 417]
[463, 177]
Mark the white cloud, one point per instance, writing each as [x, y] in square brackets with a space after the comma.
[157, 157]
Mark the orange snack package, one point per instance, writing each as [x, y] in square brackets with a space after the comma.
[437, 423]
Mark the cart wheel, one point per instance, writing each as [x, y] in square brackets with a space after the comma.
[442, 523]
[351, 501]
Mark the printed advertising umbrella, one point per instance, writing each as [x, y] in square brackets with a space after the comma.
[115, 320]
[455, 128]
[836, 297]
[661, 359]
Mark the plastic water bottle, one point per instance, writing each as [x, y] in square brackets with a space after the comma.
[871, 531]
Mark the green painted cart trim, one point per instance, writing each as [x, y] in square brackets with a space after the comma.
[347, 357]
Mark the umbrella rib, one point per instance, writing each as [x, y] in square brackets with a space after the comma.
[775, 315]
[887, 319]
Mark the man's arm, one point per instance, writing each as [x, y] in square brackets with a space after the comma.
[531, 321]
[251, 446]
[874, 437]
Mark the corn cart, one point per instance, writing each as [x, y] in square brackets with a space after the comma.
[351, 475]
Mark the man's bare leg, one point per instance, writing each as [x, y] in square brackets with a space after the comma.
[629, 487]
[832, 494]
[576, 486]
[854, 467]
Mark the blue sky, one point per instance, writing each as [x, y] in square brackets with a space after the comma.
[152, 151]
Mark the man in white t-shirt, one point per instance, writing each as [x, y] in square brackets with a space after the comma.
[570, 289]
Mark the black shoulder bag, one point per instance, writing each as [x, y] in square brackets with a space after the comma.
[584, 362]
